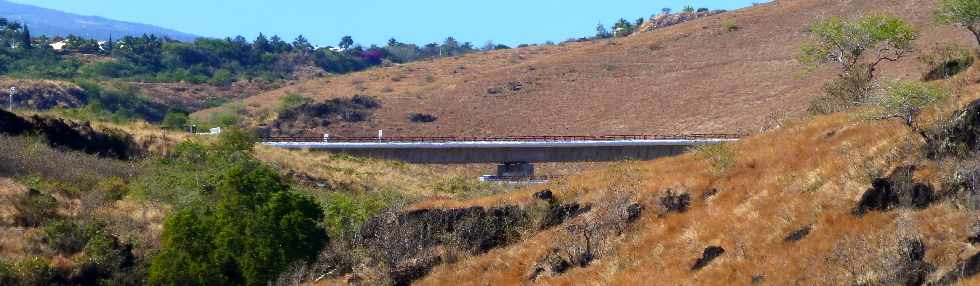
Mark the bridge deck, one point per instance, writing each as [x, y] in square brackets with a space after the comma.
[505, 149]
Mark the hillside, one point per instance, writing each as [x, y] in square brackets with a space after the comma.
[52, 23]
[754, 212]
[692, 77]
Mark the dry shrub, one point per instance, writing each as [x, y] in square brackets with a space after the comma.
[843, 93]
[720, 157]
[25, 156]
[947, 61]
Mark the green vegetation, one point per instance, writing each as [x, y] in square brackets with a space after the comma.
[845, 43]
[729, 25]
[965, 13]
[720, 157]
[239, 222]
[905, 100]
[857, 47]
[291, 101]
[947, 61]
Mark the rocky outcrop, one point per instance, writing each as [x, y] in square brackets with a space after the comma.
[897, 190]
[42, 94]
[69, 134]
[710, 254]
[667, 20]
[317, 116]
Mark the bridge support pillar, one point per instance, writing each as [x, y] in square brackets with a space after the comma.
[515, 169]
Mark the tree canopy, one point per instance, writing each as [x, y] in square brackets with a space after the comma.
[965, 13]
[885, 38]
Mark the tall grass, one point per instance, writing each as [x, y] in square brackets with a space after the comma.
[31, 156]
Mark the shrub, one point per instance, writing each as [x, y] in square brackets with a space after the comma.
[964, 13]
[844, 92]
[222, 77]
[845, 42]
[65, 237]
[114, 188]
[291, 101]
[945, 62]
[35, 208]
[720, 157]
[8, 273]
[729, 25]
[905, 100]
[422, 118]
[252, 230]
[344, 213]
[34, 271]
[174, 120]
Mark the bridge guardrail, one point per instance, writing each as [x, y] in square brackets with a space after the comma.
[442, 139]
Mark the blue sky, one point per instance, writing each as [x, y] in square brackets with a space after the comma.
[374, 21]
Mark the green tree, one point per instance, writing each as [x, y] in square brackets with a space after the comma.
[302, 44]
[622, 28]
[346, 42]
[688, 9]
[884, 38]
[25, 38]
[261, 44]
[965, 13]
[251, 230]
[905, 100]
[174, 120]
[601, 32]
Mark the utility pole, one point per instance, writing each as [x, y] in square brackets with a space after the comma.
[13, 91]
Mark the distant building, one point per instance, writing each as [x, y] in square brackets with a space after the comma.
[59, 45]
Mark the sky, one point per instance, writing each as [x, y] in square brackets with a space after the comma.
[324, 22]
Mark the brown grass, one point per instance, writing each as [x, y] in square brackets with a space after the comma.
[700, 79]
[809, 172]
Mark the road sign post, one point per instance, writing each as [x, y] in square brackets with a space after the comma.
[13, 91]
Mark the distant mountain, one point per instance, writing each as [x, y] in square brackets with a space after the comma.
[49, 22]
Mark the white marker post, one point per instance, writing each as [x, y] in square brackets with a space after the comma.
[13, 91]
[381, 135]
[326, 137]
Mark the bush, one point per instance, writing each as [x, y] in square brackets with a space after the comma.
[291, 101]
[175, 120]
[8, 274]
[729, 25]
[948, 61]
[35, 208]
[422, 118]
[250, 229]
[844, 92]
[34, 271]
[114, 188]
[720, 157]
[905, 100]
[222, 77]
[344, 213]
[66, 237]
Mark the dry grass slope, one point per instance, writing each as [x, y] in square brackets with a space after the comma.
[692, 77]
[810, 173]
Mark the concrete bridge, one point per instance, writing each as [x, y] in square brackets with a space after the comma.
[524, 149]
